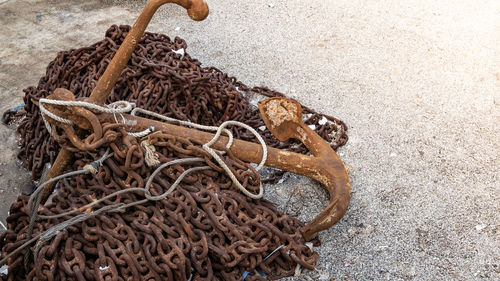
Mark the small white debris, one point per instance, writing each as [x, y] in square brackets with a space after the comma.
[262, 128]
[4, 270]
[323, 121]
[324, 277]
[177, 28]
[393, 154]
[254, 101]
[298, 270]
[101, 268]
[281, 180]
[480, 227]
[181, 52]
[313, 127]
[1, 223]
[270, 5]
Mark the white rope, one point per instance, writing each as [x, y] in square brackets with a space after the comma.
[118, 107]
[148, 195]
[150, 157]
[142, 134]
[185, 123]
[224, 166]
[115, 107]
[209, 149]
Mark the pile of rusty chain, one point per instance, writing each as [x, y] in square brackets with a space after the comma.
[206, 229]
[158, 80]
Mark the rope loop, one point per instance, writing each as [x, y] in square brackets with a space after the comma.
[117, 107]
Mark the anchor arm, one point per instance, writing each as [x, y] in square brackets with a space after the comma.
[283, 117]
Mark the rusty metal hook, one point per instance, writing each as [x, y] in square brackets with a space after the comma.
[282, 116]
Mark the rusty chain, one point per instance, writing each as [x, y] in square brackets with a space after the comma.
[206, 229]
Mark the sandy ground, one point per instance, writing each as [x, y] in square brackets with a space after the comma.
[418, 82]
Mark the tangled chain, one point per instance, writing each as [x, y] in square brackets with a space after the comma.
[206, 229]
[157, 79]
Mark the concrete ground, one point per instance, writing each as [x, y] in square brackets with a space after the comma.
[418, 83]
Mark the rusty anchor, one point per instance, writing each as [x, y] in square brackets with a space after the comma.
[282, 116]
